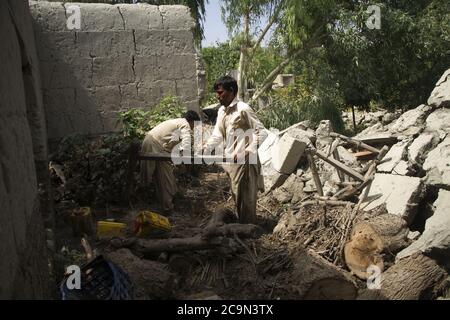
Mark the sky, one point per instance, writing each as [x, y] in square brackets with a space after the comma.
[215, 29]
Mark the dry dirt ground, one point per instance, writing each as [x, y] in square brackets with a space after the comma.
[250, 269]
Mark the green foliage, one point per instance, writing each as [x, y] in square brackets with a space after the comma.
[134, 123]
[137, 122]
[168, 108]
[293, 104]
[219, 61]
[95, 170]
[397, 65]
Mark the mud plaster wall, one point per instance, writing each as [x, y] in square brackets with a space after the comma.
[23, 149]
[123, 56]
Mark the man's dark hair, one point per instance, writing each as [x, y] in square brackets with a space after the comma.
[191, 116]
[228, 83]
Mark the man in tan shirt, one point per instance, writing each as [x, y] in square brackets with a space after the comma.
[241, 132]
[162, 139]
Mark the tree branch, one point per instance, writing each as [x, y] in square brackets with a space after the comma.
[269, 79]
[267, 27]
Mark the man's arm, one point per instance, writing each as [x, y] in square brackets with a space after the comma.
[216, 137]
[259, 132]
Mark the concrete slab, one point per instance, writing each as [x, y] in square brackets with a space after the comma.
[400, 194]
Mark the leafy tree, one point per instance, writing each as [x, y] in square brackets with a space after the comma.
[397, 65]
[219, 60]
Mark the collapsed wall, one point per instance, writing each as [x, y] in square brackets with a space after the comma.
[118, 57]
[23, 151]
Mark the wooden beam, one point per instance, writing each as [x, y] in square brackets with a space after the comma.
[340, 166]
[193, 159]
[355, 142]
[315, 175]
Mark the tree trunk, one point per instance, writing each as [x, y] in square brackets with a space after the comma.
[210, 238]
[369, 240]
[415, 277]
[150, 279]
[242, 87]
[314, 278]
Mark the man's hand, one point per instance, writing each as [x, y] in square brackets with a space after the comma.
[239, 155]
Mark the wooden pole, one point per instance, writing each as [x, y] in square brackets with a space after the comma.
[340, 166]
[315, 175]
[355, 142]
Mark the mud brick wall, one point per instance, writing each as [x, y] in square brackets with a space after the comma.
[23, 152]
[122, 56]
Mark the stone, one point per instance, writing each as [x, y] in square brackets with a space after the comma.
[395, 154]
[376, 129]
[264, 150]
[439, 121]
[437, 165]
[272, 178]
[418, 149]
[435, 239]
[306, 136]
[440, 96]
[290, 189]
[347, 157]
[400, 194]
[402, 168]
[411, 122]
[388, 118]
[413, 235]
[323, 135]
[286, 154]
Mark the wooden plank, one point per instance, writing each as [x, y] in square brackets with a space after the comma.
[340, 166]
[356, 143]
[193, 159]
[315, 175]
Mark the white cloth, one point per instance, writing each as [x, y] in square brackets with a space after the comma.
[238, 115]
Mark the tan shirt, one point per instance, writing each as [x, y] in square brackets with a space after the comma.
[238, 115]
[169, 133]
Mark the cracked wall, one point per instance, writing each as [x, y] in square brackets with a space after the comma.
[24, 267]
[123, 56]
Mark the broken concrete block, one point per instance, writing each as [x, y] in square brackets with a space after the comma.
[400, 194]
[272, 178]
[402, 168]
[395, 154]
[413, 235]
[291, 188]
[376, 129]
[307, 136]
[323, 135]
[440, 96]
[264, 150]
[439, 121]
[419, 148]
[411, 122]
[286, 154]
[347, 157]
[435, 240]
[437, 165]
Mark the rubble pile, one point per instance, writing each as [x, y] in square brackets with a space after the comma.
[400, 165]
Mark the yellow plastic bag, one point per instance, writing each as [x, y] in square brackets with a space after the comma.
[109, 229]
[148, 221]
